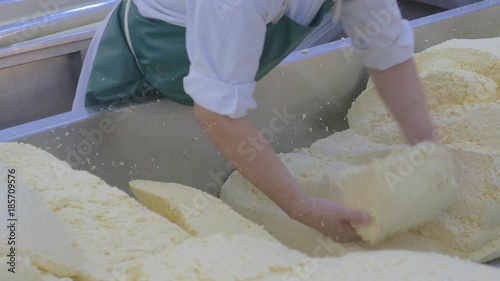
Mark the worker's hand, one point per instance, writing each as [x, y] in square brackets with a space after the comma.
[331, 219]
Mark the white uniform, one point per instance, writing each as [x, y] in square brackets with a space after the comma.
[225, 39]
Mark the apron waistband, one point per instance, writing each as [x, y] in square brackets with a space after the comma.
[127, 32]
[282, 11]
[337, 7]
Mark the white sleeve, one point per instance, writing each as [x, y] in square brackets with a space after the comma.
[380, 36]
[225, 40]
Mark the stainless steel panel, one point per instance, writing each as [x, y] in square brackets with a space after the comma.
[38, 89]
[448, 4]
[39, 78]
[326, 32]
[30, 19]
[47, 47]
[18, 10]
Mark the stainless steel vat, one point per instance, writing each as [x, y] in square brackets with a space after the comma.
[303, 99]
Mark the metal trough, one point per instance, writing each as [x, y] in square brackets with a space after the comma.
[160, 140]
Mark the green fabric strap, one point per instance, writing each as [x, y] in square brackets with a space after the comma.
[161, 53]
[283, 38]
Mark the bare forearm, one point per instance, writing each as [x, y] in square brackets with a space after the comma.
[402, 92]
[238, 141]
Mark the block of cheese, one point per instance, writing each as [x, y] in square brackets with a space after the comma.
[25, 271]
[401, 191]
[216, 257]
[38, 234]
[397, 266]
[195, 211]
[396, 184]
[102, 219]
[307, 168]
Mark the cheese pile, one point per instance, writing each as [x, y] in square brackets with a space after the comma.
[198, 213]
[103, 226]
[74, 227]
[461, 80]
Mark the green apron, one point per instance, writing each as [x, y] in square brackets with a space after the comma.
[161, 60]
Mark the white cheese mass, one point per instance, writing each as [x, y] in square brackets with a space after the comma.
[107, 227]
[113, 238]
